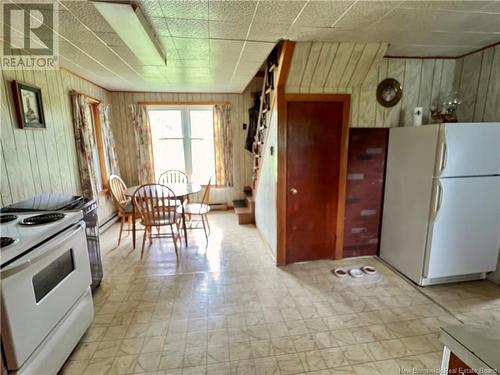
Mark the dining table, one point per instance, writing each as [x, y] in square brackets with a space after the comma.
[181, 191]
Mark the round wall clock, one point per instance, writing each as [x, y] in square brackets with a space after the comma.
[389, 92]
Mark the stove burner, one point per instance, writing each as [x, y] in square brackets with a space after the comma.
[6, 241]
[7, 218]
[42, 219]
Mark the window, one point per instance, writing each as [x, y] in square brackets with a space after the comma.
[183, 139]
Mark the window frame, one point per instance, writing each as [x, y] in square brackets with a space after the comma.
[99, 142]
[186, 130]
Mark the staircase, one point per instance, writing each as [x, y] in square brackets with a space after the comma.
[246, 209]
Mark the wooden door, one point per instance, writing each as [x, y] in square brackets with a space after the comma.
[314, 142]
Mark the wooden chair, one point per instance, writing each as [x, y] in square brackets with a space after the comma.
[193, 210]
[149, 201]
[124, 205]
[173, 176]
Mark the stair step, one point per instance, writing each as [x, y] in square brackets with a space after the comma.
[245, 215]
[238, 203]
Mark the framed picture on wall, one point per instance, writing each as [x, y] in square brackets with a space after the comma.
[29, 106]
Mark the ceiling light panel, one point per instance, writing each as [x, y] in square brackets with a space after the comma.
[130, 24]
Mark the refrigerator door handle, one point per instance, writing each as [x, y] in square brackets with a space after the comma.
[444, 156]
[438, 199]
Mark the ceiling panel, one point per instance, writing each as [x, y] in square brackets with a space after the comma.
[193, 9]
[151, 9]
[231, 10]
[267, 32]
[322, 13]
[363, 14]
[187, 28]
[454, 5]
[278, 12]
[208, 48]
[228, 30]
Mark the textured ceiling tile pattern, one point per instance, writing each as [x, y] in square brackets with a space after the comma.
[214, 45]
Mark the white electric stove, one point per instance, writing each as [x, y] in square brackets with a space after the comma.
[46, 303]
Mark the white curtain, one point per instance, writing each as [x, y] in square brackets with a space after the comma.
[84, 139]
[223, 141]
[143, 143]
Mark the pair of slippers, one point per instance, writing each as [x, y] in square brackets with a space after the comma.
[354, 272]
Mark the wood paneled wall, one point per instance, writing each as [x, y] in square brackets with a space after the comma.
[356, 69]
[240, 103]
[43, 160]
[477, 77]
[326, 67]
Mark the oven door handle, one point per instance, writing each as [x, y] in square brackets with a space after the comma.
[53, 246]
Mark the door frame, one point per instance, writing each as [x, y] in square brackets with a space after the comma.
[282, 188]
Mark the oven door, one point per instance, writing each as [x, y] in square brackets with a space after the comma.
[39, 289]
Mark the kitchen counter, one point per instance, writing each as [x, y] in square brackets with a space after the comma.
[477, 346]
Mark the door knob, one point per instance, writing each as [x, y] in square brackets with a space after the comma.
[293, 191]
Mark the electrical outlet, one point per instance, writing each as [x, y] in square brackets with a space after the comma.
[244, 126]
[271, 149]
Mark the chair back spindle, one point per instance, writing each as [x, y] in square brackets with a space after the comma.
[173, 177]
[152, 204]
[117, 188]
[206, 194]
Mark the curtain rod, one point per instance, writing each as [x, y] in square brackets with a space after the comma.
[92, 99]
[183, 103]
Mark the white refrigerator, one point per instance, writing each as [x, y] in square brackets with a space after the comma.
[441, 216]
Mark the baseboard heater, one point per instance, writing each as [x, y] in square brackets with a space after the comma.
[219, 207]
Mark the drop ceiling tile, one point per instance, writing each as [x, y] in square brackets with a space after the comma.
[188, 54]
[362, 14]
[191, 44]
[305, 33]
[225, 46]
[267, 32]
[322, 13]
[87, 13]
[127, 55]
[151, 9]
[188, 28]
[168, 46]
[189, 63]
[194, 9]
[485, 22]
[228, 30]
[256, 51]
[456, 5]
[424, 20]
[111, 39]
[447, 38]
[278, 12]
[159, 26]
[232, 11]
[493, 7]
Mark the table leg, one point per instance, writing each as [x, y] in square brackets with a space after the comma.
[184, 224]
[133, 225]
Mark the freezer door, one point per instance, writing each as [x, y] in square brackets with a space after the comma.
[464, 235]
[468, 149]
